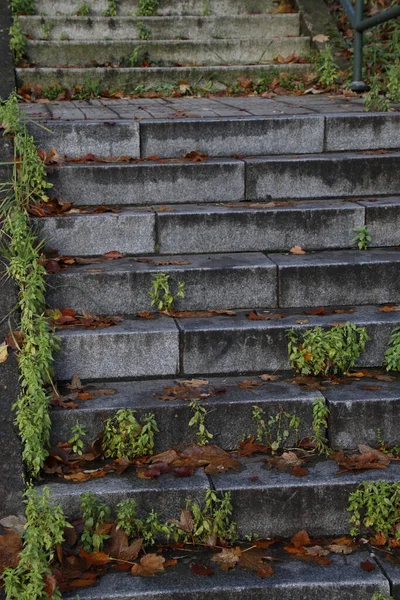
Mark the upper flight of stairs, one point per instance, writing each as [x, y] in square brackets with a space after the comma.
[196, 42]
[230, 220]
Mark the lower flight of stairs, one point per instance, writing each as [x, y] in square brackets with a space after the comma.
[225, 227]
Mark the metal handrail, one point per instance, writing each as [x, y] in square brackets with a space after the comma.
[359, 24]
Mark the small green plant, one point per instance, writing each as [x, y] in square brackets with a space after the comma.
[318, 351]
[52, 91]
[363, 237]
[327, 69]
[214, 521]
[393, 81]
[112, 9]
[144, 32]
[392, 354]
[147, 8]
[17, 41]
[44, 530]
[89, 89]
[375, 505]
[375, 99]
[64, 37]
[160, 294]
[198, 421]
[47, 28]
[78, 433]
[94, 515]
[22, 7]
[206, 8]
[136, 57]
[125, 437]
[84, 10]
[150, 528]
[275, 430]
[380, 596]
[320, 426]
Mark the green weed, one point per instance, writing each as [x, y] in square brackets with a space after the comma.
[125, 437]
[144, 32]
[198, 421]
[392, 354]
[78, 434]
[94, 515]
[327, 69]
[320, 426]
[161, 295]
[275, 430]
[363, 237]
[84, 10]
[147, 8]
[18, 41]
[112, 9]
[375, 505]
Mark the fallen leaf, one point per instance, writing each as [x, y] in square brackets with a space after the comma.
[300, 539]
[228, 558]
[10, 547]
[285, 462]
[321, 38]
[186, 522]
[3, 352]
[284, 7]
[150, 564]
[201, 569]
[113, 255]
[254, 560]
[248, 448]
[367, 566]
[120, 548]
[297, 250]
[268, 377]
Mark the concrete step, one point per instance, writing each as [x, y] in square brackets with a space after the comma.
[105, 134]
[161, 28]
[357, 409]
[184, 52]
[166, 7]
[323, 176]
[235, 227]
[218, 345]
[292, 579]
[214, 180]
[229, 415]
[129, 79]
[329, 278]
[212, 281]
[316, 502]
[230, 180]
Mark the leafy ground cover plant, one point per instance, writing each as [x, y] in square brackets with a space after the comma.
[327, 69]
[363, 237]
[275, 429]
[318, 351]
[147, 8]
[198, 421]
[23, 254]
[376, 506]
[392, 354]
[95, 514]
[125, 437]
[320, 426]
[161, 295]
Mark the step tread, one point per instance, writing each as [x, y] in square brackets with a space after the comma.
[292, 579]
[335, 258]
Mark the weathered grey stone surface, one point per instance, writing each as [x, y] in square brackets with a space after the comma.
[358, 410]
[151, 182]
[292, 580]
[236, 344]
[382, 217]
[222, 137]
[166, 495]
[133, 348]
[115, 138]
[313, 225]
[229, 415]
[316, 502]
[166, 7]
[362, 132]
[212, 281]
[129, 78]
[129, 231]
[162, 28]
[204, 52]
[320, 176]
[7, 72]
[329, 278]
[391, 571]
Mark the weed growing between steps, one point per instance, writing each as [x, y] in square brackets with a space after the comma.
[363, 237]
[161, 295]
[147, 8]
[376, 506]
[392, 354]
[112, 9]
[36, 343]
[198, 421]
[125, 437]
[31, 578]
[318, 351]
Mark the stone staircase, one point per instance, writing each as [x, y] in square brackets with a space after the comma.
[195, 42]
[228, 222]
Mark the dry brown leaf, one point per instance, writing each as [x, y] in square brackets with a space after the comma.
[254, 560]
[228, 558]
[186, 522]
[297, 250]
[10, 547]
[285, 462]
[268, 377]
[150, 564]
[3, 352]
[284, 7]
[120, 548]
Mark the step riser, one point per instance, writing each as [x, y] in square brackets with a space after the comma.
[212, 229]
[253, 136]
[233, 281]
[322, 177]
[128, 79]
[97, 234]
[256, 179]
[215, 52]
[166, 7]
[219, 345]
[356, 278]
[142, 184]
[229, 415]
[192, 28]
[317, 504]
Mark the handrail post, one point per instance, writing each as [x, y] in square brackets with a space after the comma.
[358, 84]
